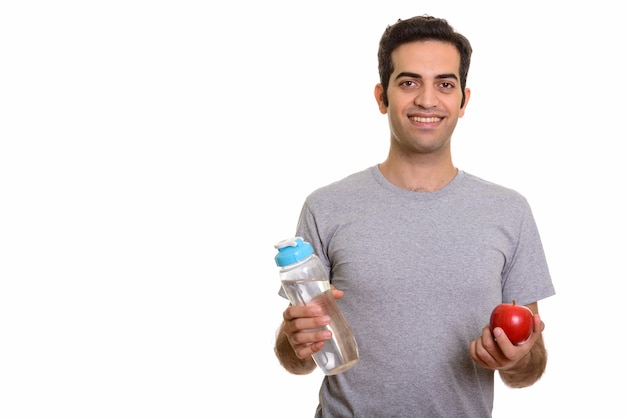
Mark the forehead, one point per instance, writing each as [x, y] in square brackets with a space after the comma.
[424, 57]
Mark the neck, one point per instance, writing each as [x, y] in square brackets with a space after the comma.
[418, 178]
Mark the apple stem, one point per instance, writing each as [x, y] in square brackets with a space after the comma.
[513, 301]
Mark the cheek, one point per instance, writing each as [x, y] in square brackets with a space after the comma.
[462, 112]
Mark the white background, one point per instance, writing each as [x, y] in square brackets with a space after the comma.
[152, 152]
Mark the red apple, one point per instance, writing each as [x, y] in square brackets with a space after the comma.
[516, 321]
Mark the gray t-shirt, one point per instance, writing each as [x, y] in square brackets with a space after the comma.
[421, 273]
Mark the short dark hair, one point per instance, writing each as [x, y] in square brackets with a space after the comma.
[420, 28]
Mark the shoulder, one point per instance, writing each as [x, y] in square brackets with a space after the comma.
[493, 197]
[477, 184]
[349, 187]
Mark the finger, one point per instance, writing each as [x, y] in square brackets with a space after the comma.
[509, 350]
[304, 311]
[337, 294]
[307, 343]
[303, 318]
[473, 354]
[310, 337]
[480, 349]
[539, 326]
[500, 337]
[305, 351]
[489, 348]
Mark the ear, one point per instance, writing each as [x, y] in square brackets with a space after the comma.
[378, 95]
[467, 97]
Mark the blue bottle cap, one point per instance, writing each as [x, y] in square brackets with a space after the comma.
[291, 251]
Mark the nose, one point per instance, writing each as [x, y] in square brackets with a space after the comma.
[426, 97]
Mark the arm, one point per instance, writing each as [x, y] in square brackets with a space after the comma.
[529, 369]
[287, 355]
[519, 366]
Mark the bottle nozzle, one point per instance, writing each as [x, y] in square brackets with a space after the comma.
[289, 242]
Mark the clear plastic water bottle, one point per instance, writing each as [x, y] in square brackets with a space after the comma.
[305, 282]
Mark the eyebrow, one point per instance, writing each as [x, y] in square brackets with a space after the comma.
[415, 75]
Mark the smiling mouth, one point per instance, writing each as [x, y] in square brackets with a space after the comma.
[424, 120]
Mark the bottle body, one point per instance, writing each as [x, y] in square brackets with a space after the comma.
[306, 283]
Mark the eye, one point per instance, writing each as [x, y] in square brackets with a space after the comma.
[408, 83]
[446, 85]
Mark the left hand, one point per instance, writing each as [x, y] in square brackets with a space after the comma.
[496, 352]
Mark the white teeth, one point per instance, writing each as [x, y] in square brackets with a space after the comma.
[424, 120]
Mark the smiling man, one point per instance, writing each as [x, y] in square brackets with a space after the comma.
[423, 101]
[420, 253]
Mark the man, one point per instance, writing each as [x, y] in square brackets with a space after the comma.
[422, 252]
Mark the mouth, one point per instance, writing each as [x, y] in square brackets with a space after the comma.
[420, 119]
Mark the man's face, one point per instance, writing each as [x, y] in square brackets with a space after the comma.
[424, 96]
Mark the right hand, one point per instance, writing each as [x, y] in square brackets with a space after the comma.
[299, 323]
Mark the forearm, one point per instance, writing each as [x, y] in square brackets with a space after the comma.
[529, 369]
[288, 358]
